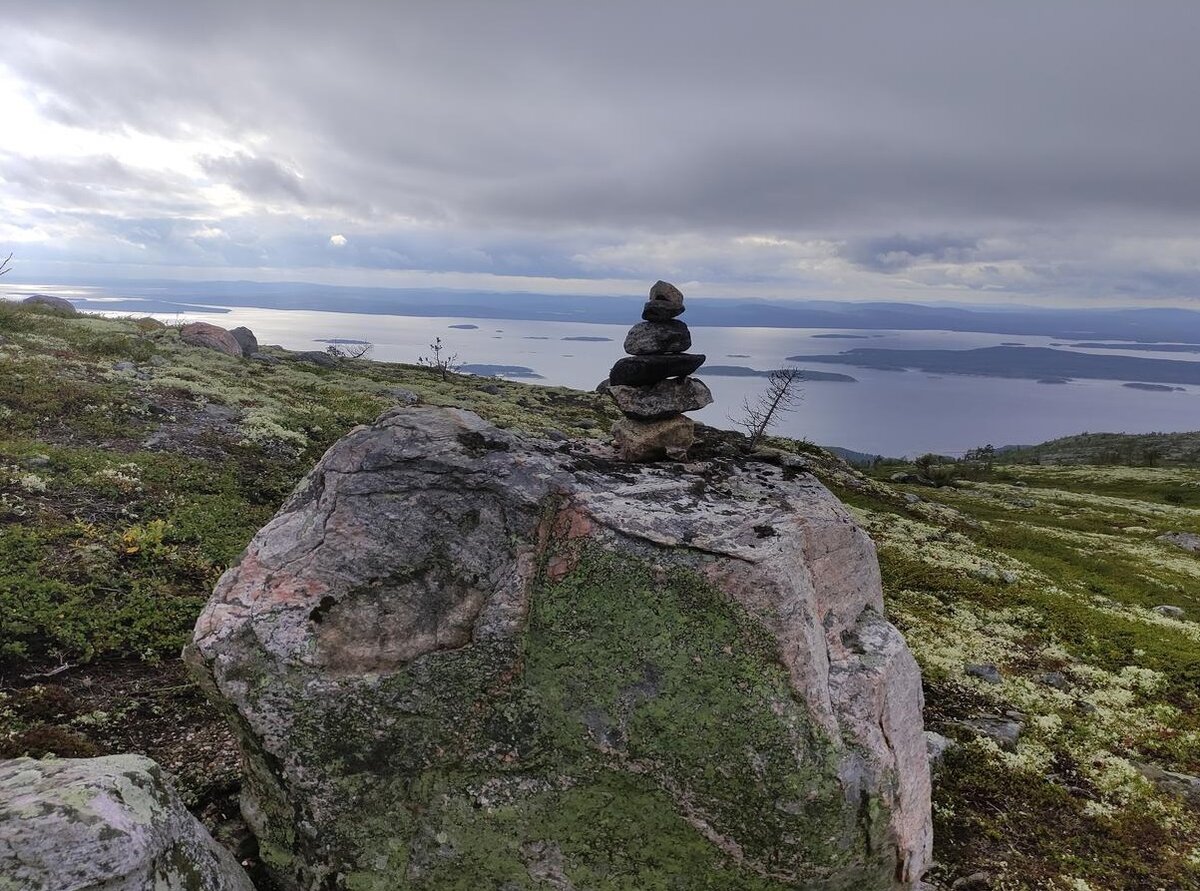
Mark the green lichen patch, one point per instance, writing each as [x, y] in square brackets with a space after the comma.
[641, 734]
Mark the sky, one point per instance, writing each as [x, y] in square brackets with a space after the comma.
[1031, 152]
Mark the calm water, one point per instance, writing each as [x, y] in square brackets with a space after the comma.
[886, 412]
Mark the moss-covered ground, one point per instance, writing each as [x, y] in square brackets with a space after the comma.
[134, 468]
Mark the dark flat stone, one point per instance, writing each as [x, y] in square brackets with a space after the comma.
[660, 311]
[640, 371]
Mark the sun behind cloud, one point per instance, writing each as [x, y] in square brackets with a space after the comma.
[337, 240]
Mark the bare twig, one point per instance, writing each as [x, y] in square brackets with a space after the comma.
[5, 267]
[444, 365]
[38, 675]
[782, 395]
[350, 351]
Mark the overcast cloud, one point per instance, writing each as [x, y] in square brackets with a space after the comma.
[1029, 151]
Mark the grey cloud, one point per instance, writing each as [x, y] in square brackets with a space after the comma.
[256, 176]
[521, 137]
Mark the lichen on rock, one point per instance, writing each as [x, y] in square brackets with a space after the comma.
[104, 824]
[461, 657]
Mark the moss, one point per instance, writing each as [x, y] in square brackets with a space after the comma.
[638, 721]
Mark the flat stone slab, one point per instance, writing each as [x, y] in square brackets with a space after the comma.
[641, 371]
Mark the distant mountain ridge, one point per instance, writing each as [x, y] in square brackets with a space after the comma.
[1138, 325]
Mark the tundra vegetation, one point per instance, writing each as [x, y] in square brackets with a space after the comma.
[134, 469]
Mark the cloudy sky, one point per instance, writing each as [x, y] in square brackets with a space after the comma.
[1032, 152]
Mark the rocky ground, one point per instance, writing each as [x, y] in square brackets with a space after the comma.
[1057, 634]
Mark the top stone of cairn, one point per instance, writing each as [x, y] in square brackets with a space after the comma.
[665, 303]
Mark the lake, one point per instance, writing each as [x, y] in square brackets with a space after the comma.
[885, 412]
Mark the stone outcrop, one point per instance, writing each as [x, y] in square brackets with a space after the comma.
[104, 824]
[60, 305]
[246, 340]
[1187, 541]
[651, 385]
[461, 657]
[210, 337]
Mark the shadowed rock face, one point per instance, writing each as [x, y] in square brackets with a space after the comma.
[459, 657]
[104, 824]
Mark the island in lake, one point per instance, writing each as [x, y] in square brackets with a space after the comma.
[743, 371]
[500, 371]
[464, 327]
[584, 338]
[1154, 388]
[1034, 363]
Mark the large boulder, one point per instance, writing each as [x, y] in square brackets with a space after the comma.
[59, 305]
[104, 824]
[246, 340]
[459, 657]
[211, 337]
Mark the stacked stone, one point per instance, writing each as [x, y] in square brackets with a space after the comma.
[651, 385]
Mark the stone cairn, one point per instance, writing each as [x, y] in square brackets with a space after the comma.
[651, 385]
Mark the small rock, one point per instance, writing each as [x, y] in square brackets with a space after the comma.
[556, 436]
[1182, 785]
[603, 386]
[492, 389]
[210, 337]
[666, 293]
[113, 823]
[654, 440]
[660, 312]
[1055, 679]
[1188, 541]
[220, 412]
[640, 371]
[316, 357]
[910, 498]
[265, 358]
[901, 477]
[124, 366]
[1171, 612]
[402, 396]
[246, 338]
[662, 400]
[656, 338]
[976, 881]
[149, 323]
[1005, 732]
[36, 461]
[936, 746]
[586, 424]
[48, 301]
[986, 672]
[1009, 577]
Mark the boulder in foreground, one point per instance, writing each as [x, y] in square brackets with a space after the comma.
[459, 657]
[104, 824]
